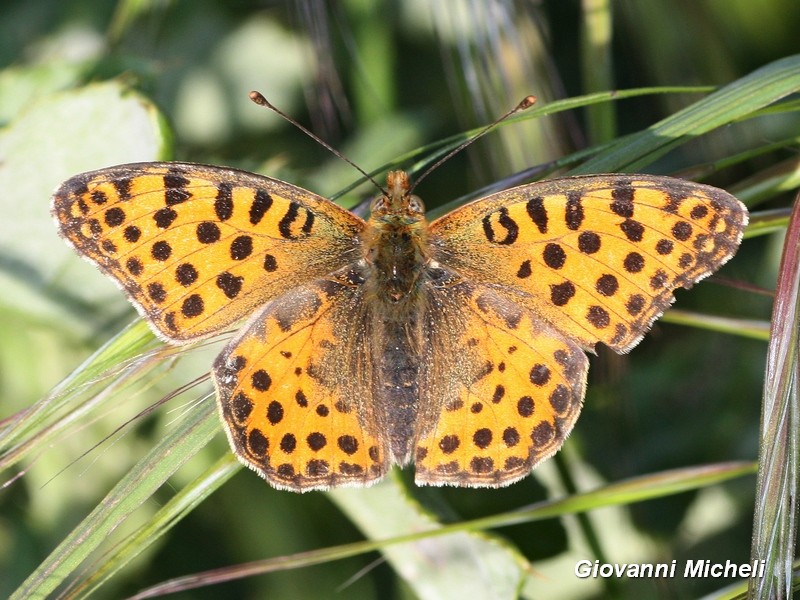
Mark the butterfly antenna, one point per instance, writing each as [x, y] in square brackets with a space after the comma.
[259, 99]
[526, 103]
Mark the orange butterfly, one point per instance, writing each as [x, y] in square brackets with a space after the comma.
[458, 344]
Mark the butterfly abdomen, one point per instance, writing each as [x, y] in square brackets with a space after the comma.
[398, 373]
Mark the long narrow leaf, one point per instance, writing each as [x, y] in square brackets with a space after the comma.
[135, 488]
[169, 515]
[633, 490]
[775, 523]
[735, 101]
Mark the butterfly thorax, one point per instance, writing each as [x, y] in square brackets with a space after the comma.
[395, 245]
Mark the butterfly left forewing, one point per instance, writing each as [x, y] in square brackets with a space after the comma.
[197, 247]
[598, 257]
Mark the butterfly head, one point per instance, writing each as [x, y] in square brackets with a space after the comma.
[397, 207]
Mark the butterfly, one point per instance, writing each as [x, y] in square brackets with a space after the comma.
[458, 345]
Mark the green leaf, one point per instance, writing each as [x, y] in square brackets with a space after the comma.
[477, 565]
[150, 473]
[735, 101]
[53, 139]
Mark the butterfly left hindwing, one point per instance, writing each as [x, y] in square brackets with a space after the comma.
[295, 390]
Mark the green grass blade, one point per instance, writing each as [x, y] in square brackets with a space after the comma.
[767, 221]
[169, 515]
[122, 357]
[420, 158]
[781, 177]
[750, 328]
[775, 523]
[150, 473]
[731, 103]
[637, 489]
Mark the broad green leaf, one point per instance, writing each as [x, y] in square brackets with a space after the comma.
[53, 139]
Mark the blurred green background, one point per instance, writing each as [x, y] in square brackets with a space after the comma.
[376, 80]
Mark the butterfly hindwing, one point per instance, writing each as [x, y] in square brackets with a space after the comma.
[294, 390]
[500, 389]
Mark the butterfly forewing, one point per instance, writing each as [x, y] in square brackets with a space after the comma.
[598, 257]
[196, 247]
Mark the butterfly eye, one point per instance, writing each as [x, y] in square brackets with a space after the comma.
[415, 205]
[378, 204]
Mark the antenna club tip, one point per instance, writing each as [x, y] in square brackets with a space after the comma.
[258, 98]
[527, 102]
